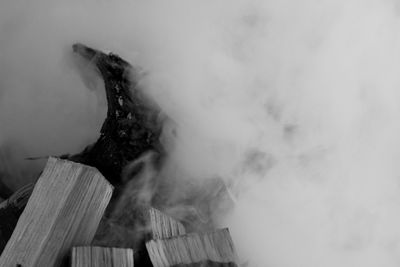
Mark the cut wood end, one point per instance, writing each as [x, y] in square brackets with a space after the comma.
[164, 226]
[101, 257]
[216, 247]
[54, 162]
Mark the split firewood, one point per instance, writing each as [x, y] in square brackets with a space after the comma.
[146, 223]
[203, 200]
[133, 123]
[210, 249]
[63, 211]
[129, 224]
[163, 226]
[101, 257]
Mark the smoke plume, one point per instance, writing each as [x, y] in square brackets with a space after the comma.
[295, 104]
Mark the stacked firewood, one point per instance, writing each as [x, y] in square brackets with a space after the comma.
[54, 222]
[64, 211]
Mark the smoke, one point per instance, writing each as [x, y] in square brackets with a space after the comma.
[45, 109]
[294, 103]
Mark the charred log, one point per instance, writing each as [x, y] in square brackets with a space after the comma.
[133, 123]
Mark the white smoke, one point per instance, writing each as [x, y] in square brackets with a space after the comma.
[295, 103]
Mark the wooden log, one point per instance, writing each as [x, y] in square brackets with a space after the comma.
[149, 223]
[202, 201]
[101, 257]
[133, 124]
[64, 210]
[164, 226]
[138, 226]
[211, 249]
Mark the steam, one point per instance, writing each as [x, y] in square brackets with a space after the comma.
[296, 104]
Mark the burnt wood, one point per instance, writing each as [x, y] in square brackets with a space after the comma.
[133, 124]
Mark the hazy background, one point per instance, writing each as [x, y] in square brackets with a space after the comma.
[294, 103]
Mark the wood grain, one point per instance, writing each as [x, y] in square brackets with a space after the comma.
[164, 226]
[64, 210]
[101, 257]
[214, 248]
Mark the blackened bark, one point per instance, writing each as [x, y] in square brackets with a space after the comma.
[133, 123]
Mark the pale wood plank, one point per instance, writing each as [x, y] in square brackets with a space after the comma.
[101, 257]
[214, 248]
[64, 210]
